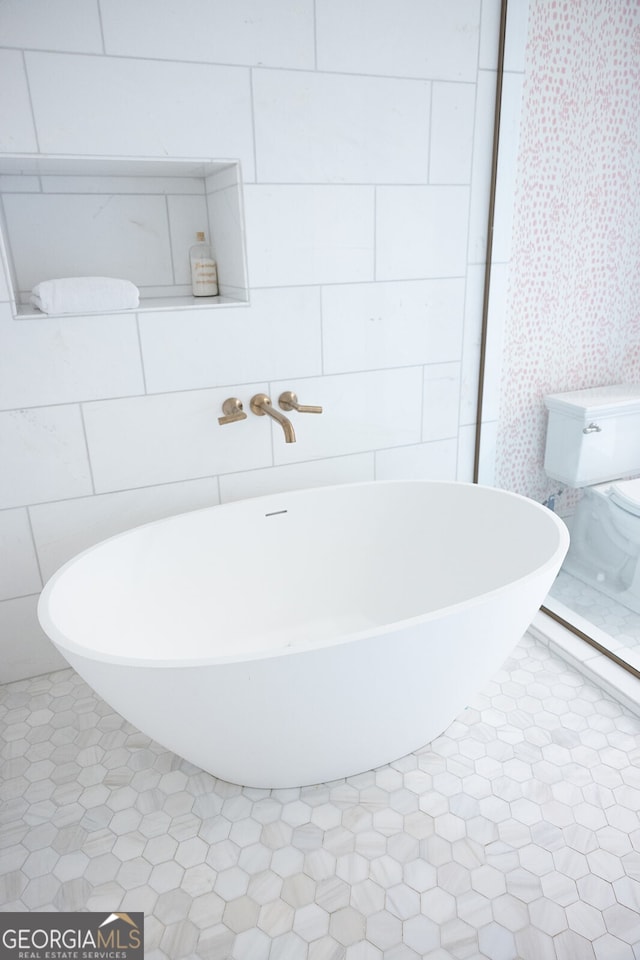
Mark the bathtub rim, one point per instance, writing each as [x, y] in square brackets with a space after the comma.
[63, 643]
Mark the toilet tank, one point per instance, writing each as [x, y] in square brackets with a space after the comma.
[593, 435]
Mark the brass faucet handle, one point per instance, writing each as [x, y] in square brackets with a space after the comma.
[232, 409]
[289, 401]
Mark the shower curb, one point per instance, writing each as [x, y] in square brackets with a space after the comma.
[595, 666]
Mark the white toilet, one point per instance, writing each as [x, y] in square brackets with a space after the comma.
[593, 442]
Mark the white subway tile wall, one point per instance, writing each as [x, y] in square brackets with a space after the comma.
[278, 336]
[438, 40]
[72, 26]
[453, 117]
[421, 232]
[363, 131]
[310, 234]
[66, 359]
[441, 401]
[22, 574]
[45, 456]
[371, 325]
[247, 32]
[381, 124]
[17, 129]
[481, 168]
[125, 107]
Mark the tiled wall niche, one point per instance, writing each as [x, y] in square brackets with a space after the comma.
[129, 218]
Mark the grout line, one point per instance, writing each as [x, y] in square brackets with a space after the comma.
[228, 384]
[141, 355]
[374, 245]
[101, 25]
[35, 546]
[254, 139]
[86, 444]
[315, 36]
[33, 112]
[170, 238]
[233, 65]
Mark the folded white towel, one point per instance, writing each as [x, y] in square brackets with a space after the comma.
[84, 295]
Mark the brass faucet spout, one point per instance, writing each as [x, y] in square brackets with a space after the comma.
[261, 405]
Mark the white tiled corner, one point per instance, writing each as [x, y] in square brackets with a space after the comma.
[481, 168]
[488, 450]
[361, 411]
[373, 325]
[441, 401]
[471, 344]
[421, 232]
[277, 336]
[466, 453]
[45, 456]
[63, 529]
[325, 128]
[489, 35]
[126, 107]
[252, 32]
[507, 166]
[143, 441]
[516, 36]
[17, 132]
[452, 122]
[438, 40]
[423, 461]
[309, 234]
[5, 296]
[352, 468]
[19, 574]
[187, 216]
[25, 651]
[226, 211]
[61, 360]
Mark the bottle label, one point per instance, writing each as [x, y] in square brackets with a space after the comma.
[205, 278]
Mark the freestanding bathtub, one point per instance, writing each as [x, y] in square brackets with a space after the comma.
[307, 636]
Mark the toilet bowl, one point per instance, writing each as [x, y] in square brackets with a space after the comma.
[593, 443]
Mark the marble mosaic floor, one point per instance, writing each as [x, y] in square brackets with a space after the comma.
[515, 834]
[620, 624]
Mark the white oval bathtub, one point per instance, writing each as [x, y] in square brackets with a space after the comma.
[303, 637]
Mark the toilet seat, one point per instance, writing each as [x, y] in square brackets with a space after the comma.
[626, 494]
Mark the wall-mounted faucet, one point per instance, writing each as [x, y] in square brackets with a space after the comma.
[232, 410]
[261, 405]
[289, 401]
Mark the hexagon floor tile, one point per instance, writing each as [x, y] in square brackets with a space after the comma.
[515, 835]
[621, 624]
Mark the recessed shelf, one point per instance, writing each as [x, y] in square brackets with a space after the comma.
[126, 217]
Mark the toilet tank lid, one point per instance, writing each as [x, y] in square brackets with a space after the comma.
[596, 401]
